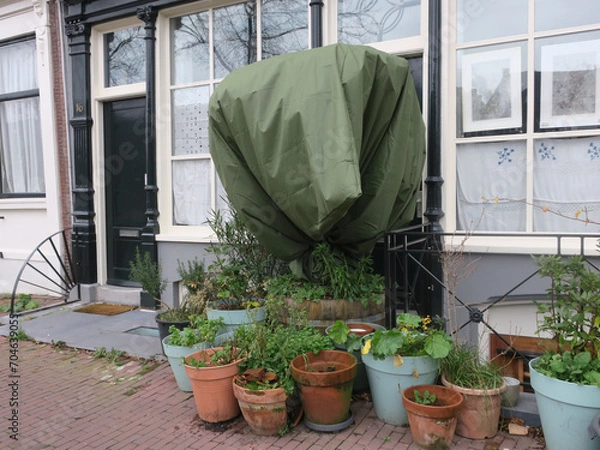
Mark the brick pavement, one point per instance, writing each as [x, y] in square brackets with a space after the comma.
[69, 400]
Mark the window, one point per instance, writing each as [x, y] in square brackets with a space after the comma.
[527, 116]
[204, 48]
[21, 161]
[366, 22]
[125, 54]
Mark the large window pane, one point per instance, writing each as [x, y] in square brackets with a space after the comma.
[21, 159]
[190, 121]
[235, 33]
[491, 186]
[554, 14]
[191, 192]
[284, 27]
[18, 68]
[125, 57]
[566, 191]
[361, 22]
[491, 94]
[21, 156]
[479, 20]
[568, 92]
[191, 51]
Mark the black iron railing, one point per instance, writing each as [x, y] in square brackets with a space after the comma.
[415, 280]
[49, 269]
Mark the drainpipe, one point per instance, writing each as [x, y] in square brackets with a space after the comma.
[148, 15]
[316, 20]
[434, 180]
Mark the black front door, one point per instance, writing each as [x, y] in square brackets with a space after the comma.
[125, 168]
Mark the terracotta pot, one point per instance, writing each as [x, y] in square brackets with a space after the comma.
[480, 413]
[325, 382]
[432, 426]
[213, 387]
[264, 410]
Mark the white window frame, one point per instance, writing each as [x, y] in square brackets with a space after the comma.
[515, 244]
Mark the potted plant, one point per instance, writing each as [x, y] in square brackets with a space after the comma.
[145, 271]
[200, 334]
[346, 335]
[325, 381]
[266, 383]
[403, 356]
[239, 273]
[566, 378]
[211, 373]
[481, 383]
[193, 277]
[432, 414]
[335, 289]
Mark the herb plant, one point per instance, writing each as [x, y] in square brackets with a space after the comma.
[148, 273]
[572, 317]
[200, 330]
[464, 367]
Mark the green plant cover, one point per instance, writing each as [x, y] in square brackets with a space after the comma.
[321, 145]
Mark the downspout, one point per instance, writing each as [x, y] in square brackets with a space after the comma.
[434, 180]
[316, 20]
[148, 15]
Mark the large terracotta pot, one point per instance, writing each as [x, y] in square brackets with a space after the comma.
[480, 413]
[325, 382]
[213, 387]
[432, 426]
[264, 410]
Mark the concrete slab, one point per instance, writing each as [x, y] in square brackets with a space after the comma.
[91, 331]
[525, 409]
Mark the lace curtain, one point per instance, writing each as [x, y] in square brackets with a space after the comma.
[21, 160]
[491, 186]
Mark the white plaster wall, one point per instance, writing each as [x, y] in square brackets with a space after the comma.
[24, 223]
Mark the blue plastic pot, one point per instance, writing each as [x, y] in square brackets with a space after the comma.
[388, 381]
[234, 318]
[566, 411]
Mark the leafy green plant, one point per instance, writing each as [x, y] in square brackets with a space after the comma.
[332, 277]
[219, 356]
[341, 335]
[413, 336]
[426, 398]
[24, 303]
[242, 265]
[464, 367]
[272, 346]
[572, 317]
[192, 274]
[148, 273]
[200, 330]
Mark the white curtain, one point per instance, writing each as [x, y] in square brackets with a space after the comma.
[566, 185]
[491, 186]
[191, 191]
[21, 159]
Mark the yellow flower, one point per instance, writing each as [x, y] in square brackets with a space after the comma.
[366, 348]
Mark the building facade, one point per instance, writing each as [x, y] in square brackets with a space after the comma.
[34, 165]
[510, 94]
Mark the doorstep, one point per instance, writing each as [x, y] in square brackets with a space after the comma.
[525, 409]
